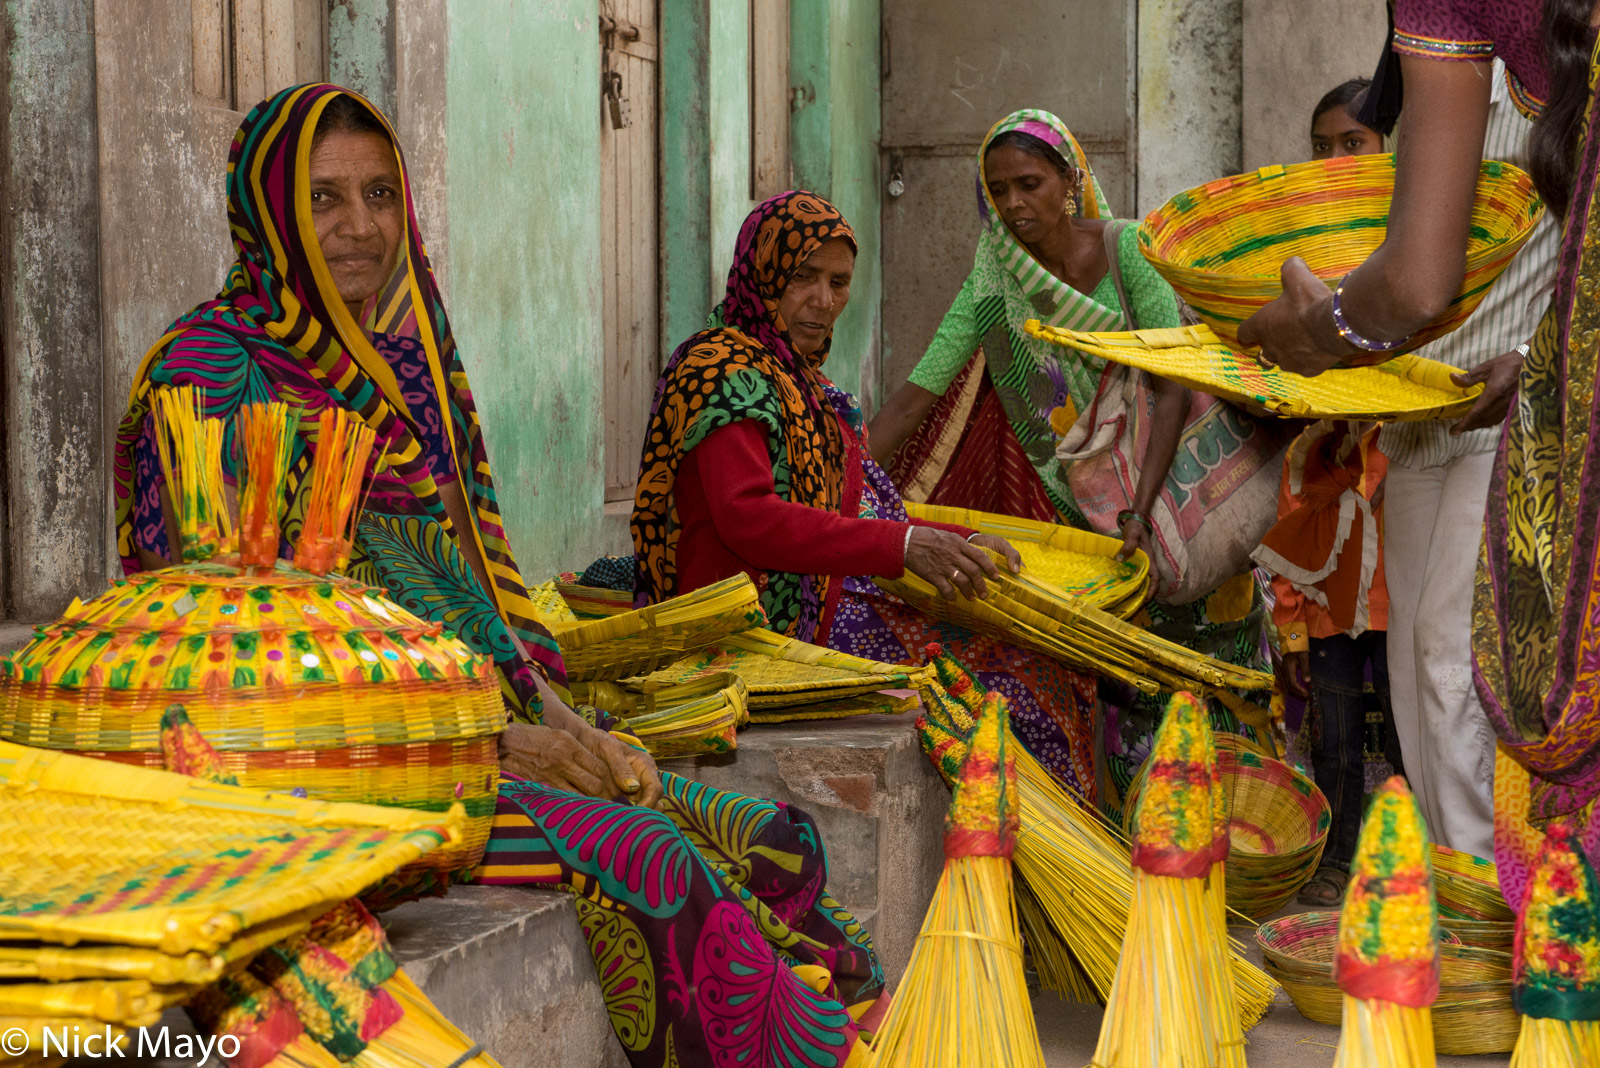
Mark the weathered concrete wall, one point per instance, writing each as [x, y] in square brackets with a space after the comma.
[1189, 85]
[523, 195]
[52, 538]
[1293, 53]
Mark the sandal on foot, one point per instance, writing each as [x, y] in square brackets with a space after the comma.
[1325, 889]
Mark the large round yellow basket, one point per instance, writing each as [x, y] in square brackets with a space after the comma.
[1221, 245]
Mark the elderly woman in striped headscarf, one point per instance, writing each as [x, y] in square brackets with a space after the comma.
[715, 940]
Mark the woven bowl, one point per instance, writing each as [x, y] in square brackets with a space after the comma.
[1468, 888]
[1277, 825]
[1221, 245]
[1473, 1014]
[296, 680]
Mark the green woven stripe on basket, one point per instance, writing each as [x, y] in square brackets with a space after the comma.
[1221, 245]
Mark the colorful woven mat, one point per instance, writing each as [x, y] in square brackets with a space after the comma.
[1221, 245]
[640, 641]
[95, 851]
[1404, 389]
[1078, 562]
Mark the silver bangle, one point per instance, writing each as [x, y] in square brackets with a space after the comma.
[905, 551]
[974, 534]
[1523, 350]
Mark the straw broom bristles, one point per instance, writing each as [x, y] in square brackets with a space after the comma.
[964, 999]
[344, 444]
[1072, 864]
[1387, 959]
[266, 435]
[189, 448]
[1172, 1001]
[1555, 967]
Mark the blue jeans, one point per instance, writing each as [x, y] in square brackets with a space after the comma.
[1338, 672]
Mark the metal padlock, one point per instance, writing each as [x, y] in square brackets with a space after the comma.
[616, 103]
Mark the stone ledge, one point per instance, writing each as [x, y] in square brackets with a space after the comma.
[877, 801]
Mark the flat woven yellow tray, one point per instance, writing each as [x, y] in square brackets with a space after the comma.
[1404, 389]
[58, 963]
[1079, 562]
[639, 642]
[101, 852]
[124, 1002]
[780, 672]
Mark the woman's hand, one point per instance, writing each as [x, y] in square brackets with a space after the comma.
[631, 772]
[552, 758]
[952, 565]
[1001, 546]
[1499, 376]
[1135, 538]
[1296, 330]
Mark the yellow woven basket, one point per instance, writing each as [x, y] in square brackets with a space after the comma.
[1277, 826]
[96, 851]
[1221, 245]
[297, 680]
[1473, 1014]
[1078, 562]
[1468, 888]
[1405, 389]
[639, 642]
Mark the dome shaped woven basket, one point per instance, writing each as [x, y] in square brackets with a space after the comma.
[298, 681]
[1277, 825]
[1221, 245]
[1473, 1014]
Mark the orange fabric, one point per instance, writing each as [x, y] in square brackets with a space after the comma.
[1308, 527]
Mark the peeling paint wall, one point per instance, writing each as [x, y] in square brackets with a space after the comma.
[523, 194]
[1189, 92]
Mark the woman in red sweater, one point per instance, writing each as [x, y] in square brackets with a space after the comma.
[755, 462]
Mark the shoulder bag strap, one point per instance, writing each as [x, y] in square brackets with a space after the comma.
[1113, 238]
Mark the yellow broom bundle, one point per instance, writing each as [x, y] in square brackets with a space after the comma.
[1075, 868]
[266, 434]
[1555, 967]
[189, 448]
[964, 999]
[1172, 1003]
[1387, 959]
[344, 445]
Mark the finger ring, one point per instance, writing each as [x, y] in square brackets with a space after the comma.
[955, 574]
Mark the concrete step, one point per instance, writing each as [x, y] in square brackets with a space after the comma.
[878, 802]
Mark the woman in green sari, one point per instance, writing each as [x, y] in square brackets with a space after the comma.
[978, 423]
